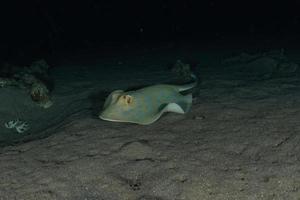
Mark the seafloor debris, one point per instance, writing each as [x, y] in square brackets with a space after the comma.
[4, 82]
[247, 57]
[185, 73]
[19, 125]
[34, 78]
[182, 70]
[40, 94]
[267, 64]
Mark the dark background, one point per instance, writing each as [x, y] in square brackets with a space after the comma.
[41, 28]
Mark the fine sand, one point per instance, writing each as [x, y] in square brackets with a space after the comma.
[239, 141]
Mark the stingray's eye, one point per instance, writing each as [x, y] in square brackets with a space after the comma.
[127, 99]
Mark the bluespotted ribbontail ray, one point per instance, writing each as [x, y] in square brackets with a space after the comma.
[146, 105]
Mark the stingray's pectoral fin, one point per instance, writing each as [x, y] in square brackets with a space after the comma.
[173, 107]
[181, 107]
[170, 107]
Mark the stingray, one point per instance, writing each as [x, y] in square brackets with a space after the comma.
[146, 105]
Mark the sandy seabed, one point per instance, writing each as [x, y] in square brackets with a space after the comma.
[240, 140]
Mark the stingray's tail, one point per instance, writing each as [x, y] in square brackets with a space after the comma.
[189, 85]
